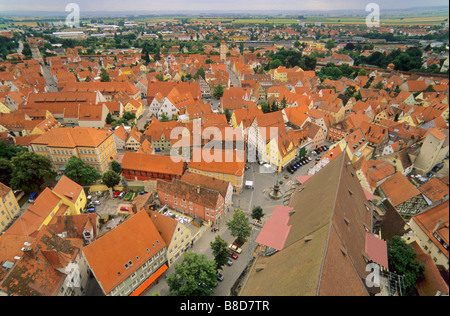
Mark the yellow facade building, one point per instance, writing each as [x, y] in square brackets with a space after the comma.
[9, 207]
[95, 147]
[66, 198]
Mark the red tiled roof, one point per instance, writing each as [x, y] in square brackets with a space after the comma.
[152, 163]
[136, 240]
[276, 228]
[376, 249]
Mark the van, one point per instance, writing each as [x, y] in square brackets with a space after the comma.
[32, 197]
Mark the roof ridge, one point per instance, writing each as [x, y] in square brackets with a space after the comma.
[330, 224]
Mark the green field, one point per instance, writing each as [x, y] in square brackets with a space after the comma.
[435, 19]
[407, 19]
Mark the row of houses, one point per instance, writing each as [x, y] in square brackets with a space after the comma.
[53, 249]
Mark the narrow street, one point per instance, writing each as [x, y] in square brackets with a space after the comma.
[263, 182]
[235, 82]
[51, 85]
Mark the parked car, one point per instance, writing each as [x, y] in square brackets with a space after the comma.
[125, 208]
[290, 170]
[90, 210]
[96, 202]
[230, 262]
[143, 192]
[318, 158]
[437, 167]
[157, 150]
[219, 277]
[32, 197]
[233, 255]
[121, 194]
[116, 194]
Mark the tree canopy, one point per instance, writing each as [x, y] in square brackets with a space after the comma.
[194, 276]
[79, 172]
[239, 226]
[110, 178]
[31, 171]
[220, 251]
[402, 261]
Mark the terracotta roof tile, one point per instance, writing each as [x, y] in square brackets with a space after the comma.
[121, 251]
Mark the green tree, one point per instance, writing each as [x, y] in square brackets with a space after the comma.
[129, 116]
[116, 167]
[31, 171]
[109, 119]
[350, 91]
[227, 113]
[218, 91]
[6, 170]
[265, 107]
[220, 251]
[79, 172]
[200, 72]
[194, 276]
[283, 103]
[274, 107]
[402, 261]
[104, 75]
[8, 152]
[239, 226]
[379, 85]
[330, 44]
[302, 152]
[164, 118]
[257, 213]
[111, 178]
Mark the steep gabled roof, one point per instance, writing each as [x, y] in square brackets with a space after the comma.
[324, 252]
[121, 251]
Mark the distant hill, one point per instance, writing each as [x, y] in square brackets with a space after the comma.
[291, 13]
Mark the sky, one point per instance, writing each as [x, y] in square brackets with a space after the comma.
[227, 5]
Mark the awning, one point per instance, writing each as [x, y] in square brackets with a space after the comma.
[276, 229]
[149, 281]
[376, 249]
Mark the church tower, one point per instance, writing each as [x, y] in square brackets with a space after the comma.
[223, 51]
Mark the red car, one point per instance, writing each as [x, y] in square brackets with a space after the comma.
[125, 208]
[233, 255]
[116, 194]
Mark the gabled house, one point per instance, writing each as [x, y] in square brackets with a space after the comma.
[433, 150]
[404, 196]
[176, 235]
[50, 265]
[129, 258]
[196, 201]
